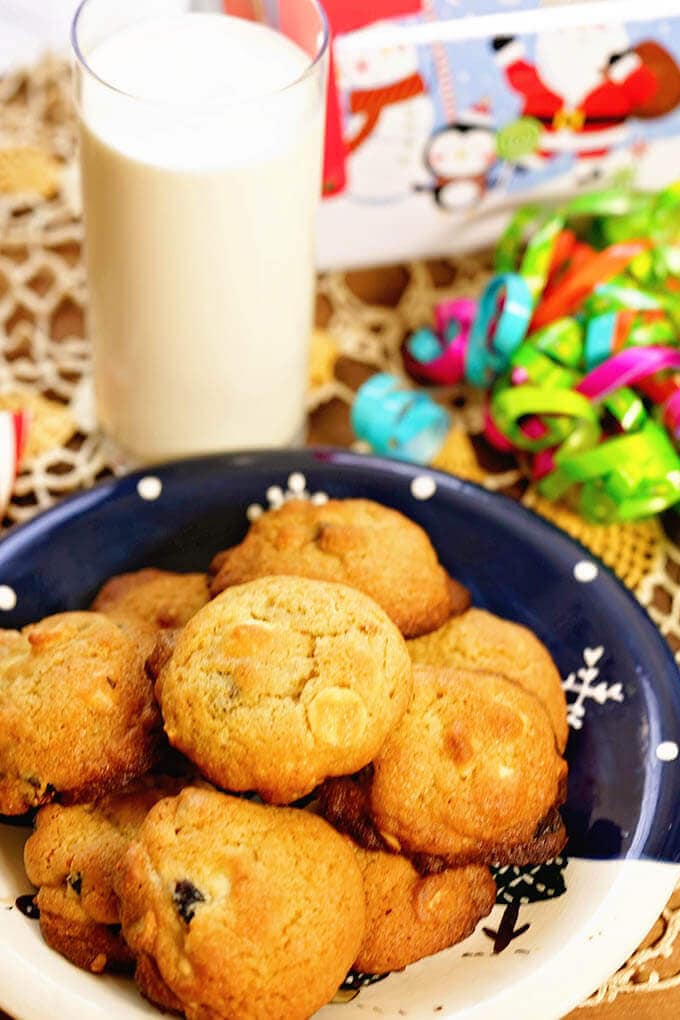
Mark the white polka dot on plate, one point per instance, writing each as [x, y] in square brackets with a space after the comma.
[275, 496]
[297, 482]
[423, 487]
[254, 511]
[319, 498]
[8, 598]
[585, 571]
[667, 751]
[149, 487]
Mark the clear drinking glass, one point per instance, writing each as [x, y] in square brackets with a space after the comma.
[201, 141]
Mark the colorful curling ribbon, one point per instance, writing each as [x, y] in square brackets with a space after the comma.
[576, 340]
[501, 323]
[398, 422]
[439, 357]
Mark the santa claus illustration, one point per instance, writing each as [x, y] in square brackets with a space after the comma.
[585, 84]
[390, 116]
[460, 157]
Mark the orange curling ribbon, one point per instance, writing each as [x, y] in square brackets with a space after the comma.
[579, 254]
[565, 242]
[580, 281]
[624, 323]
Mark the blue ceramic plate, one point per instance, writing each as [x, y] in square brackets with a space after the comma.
[588, 910]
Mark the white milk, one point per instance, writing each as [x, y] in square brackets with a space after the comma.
[200, 196]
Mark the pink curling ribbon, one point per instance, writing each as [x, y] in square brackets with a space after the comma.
[543, 464]
[623, 369]
[460, 310]
[626, 368]
[13, 432]
[493, 434]
[449, 367]
[534, 428]
[444, 370]
[665, 392]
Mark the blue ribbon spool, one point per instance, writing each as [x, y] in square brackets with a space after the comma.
[399, 423]
[502, 321]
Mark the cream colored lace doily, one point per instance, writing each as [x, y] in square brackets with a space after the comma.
[365, 317]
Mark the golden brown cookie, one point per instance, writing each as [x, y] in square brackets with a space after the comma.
[147, 602]
[278, 683]
[355, 542]
[72, 857]
[346, 804]
[77, 715]
[239, 911]
[480, 640]
[471, 772]
[88, 944]
[409, 915]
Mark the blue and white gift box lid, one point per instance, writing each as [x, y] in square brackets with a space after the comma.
[454, 116]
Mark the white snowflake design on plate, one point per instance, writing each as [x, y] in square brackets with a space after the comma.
[582, 684]
[296, 488]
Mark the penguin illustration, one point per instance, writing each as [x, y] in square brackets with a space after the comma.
[460, 157]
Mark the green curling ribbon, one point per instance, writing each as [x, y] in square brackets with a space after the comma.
[627, 408]
[641, 214]
[622, 479]
[666, 261]
[618, 294]
[617, 229]
[611, 202]
[509, 246]
[636, 471]
[665, 219]
[541, 369]
[561, 407]
[642, 267]
[562, 341]
[534, 265]
[519, 139]
[669, 302]
[660, 333]
[588, 465]
[652, 268]
[538, 255]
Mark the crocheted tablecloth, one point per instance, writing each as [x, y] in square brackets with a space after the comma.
[362, 317]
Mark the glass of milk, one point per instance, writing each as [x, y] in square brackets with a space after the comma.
[201, 140]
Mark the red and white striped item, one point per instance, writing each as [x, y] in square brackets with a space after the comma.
[13, 432]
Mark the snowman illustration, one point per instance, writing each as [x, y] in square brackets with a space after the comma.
[460, 157]
[390, 116]
[585, 85]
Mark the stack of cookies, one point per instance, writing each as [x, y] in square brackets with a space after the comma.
[381, 745]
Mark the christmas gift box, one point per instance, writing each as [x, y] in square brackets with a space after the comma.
[445, 115]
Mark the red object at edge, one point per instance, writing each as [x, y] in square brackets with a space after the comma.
[343, 16]
[348, 16]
